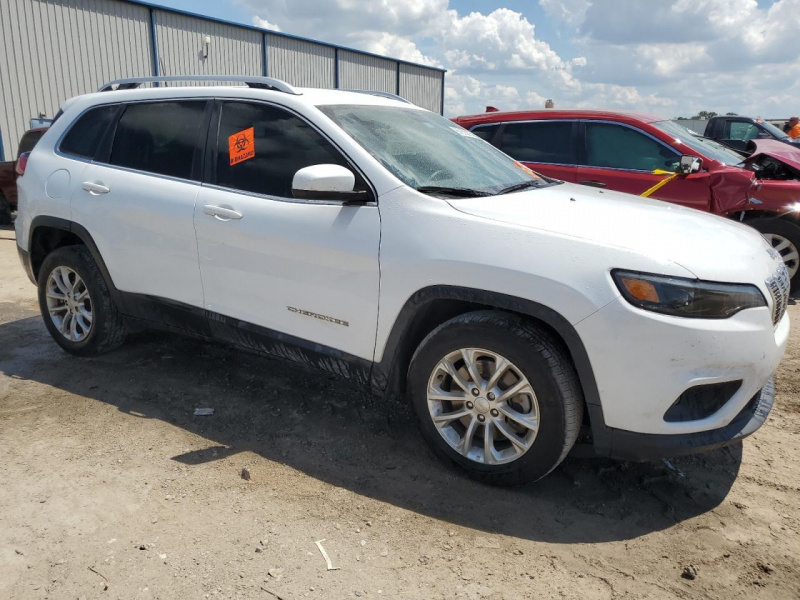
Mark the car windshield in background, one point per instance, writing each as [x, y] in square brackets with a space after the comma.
[773, 130]
[430, 153]
[699, 144]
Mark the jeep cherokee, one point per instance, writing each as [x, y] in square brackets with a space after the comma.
[386, 244]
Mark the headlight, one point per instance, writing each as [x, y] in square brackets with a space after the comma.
[691, 298]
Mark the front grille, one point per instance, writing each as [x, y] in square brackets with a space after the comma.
[778, 286]
[701, 401]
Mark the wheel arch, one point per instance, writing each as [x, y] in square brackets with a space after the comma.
[431, 306]
[50, 233]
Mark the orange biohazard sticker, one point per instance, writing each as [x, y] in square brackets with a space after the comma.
[241, 146]
[519, 165]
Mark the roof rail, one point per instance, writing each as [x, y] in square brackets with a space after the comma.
[264, 83]
[381, 94]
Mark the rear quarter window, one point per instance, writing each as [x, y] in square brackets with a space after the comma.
[84, 136]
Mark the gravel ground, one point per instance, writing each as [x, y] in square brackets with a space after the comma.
[111, 488]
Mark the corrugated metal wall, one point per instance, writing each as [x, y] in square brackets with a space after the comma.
[364, 72]
[53, 50]
[422, 86]
[300, 63]
[232, 50]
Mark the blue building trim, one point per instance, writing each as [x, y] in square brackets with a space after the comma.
[154, 43]
[441, 112]
[336, 68]
[265, 58]
[397, 83]
[2, 152]
[187, 13]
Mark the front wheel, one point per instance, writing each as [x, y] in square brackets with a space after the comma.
[784, 237]
[497, 396]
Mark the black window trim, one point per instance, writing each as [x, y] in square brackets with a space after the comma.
[495, 141]
[212, 147]
[584, 145]
[103, 152]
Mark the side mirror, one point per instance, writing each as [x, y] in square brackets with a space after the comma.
[689, 164]
[327, 182]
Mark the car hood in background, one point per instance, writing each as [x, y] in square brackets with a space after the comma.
[786, 153]
[711, 247]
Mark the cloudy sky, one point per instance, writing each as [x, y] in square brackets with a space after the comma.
[672, 57]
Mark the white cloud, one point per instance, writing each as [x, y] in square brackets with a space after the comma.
[673, 56]
[570, 11]
[259, 22]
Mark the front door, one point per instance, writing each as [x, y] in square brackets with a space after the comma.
[622, 158]
[302, 271]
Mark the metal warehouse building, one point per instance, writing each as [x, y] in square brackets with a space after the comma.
[51, 50]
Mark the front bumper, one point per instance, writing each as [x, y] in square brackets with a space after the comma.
[643, 362]
[629, 445]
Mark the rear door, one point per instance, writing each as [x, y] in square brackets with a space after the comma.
[137, 198]
[623, 158]
[547, 147]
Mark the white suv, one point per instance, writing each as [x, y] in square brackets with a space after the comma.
[368, 237]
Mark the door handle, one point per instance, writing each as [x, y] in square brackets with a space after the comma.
[222, 213]
[95, 189]
[597, 184]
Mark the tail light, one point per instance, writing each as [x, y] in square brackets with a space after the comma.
[22, 162]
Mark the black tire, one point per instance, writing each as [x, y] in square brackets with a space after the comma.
[785, 229]
[5, 210]
[539, 357]
[107, 329]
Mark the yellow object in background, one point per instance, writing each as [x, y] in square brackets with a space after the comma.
[661, 183]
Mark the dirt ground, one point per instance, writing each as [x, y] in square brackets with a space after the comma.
[111, 488]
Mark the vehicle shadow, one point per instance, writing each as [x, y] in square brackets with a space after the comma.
[339, 433]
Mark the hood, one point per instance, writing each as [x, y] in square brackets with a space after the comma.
[710, 247]
[785, 153]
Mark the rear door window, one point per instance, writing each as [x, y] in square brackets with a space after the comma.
[160, 137]
[539, 142]
[260, 147]
[613, 146]
[84, 136]
[485, 132]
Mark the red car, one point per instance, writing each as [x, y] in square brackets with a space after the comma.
[635, 152]
[8, 175]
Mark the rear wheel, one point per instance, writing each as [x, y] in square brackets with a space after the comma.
[496, 395]
[76, 304]
[784, 237]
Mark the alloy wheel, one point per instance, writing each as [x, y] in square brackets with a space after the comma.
[483, 406]
[789, 253]
[69, 304]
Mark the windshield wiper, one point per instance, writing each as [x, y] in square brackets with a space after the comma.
[520, 186]
[452, 191]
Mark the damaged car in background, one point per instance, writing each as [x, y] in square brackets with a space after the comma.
[654, 157]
